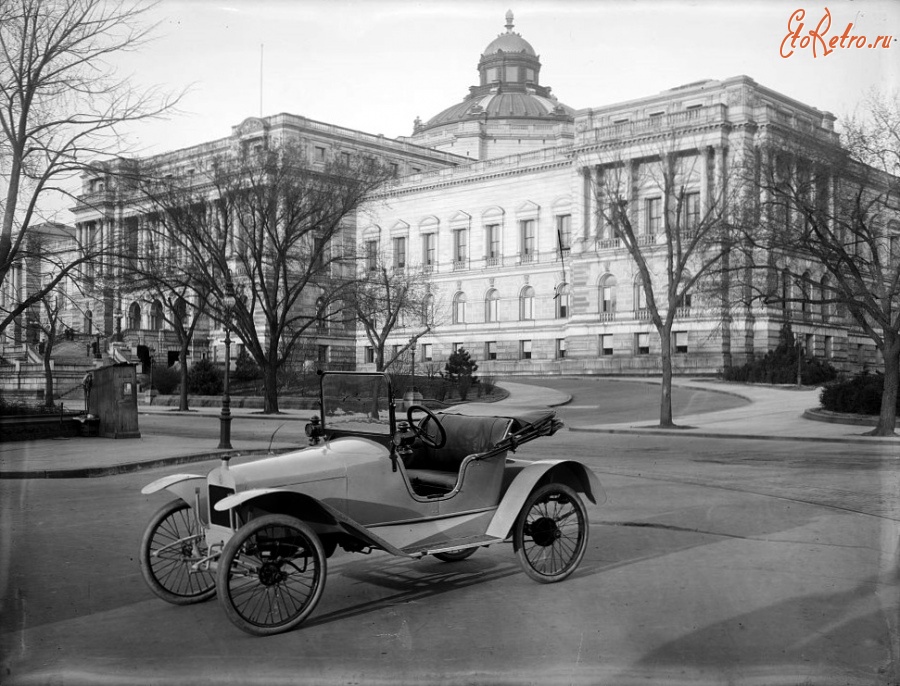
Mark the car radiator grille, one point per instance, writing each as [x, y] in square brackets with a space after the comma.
[217, 493]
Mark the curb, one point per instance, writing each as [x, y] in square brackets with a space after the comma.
[130, 467]
[688, 432]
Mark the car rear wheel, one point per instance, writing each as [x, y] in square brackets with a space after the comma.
[551, 533]
[172, 543]
[271, 575]
[455, 555]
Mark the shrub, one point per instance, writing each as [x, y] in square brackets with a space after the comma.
[860, 394]
[205, 378]
[245, 368]
[460, 370]
[165, 379]
[779, 366]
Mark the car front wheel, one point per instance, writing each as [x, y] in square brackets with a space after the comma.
[271, 575]
[171, 544]
[551, 533]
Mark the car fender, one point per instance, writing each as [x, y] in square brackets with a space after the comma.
[314, 509]
[570, 472]
[181, 485]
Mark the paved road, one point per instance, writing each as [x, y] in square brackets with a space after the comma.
[712, 561]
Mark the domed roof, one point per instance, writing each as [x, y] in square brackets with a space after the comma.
[509, 41]
[503, 105]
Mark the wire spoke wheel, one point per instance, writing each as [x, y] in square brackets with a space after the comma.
[171, 544]
[550, 535]
[271, 575]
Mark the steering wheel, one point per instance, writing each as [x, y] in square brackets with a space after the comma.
[441, 441]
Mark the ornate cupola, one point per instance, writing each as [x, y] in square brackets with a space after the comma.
[509, 62]
[508, 112]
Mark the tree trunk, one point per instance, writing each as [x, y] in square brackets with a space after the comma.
[48, 376]
[183, 396]
[270, 381]
[888, 416]
[665, 400]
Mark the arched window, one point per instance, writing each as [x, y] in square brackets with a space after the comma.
[607, 295]
[181, 309]
[134, 316]
[526, 303]
[156, 316]
[491, 306]
[459, 308]
[562, 301]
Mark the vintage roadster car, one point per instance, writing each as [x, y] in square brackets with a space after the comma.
[259, 533]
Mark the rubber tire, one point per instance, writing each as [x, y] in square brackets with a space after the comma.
[519, 536]
[455, 555]
[170, 512]
[233, 547]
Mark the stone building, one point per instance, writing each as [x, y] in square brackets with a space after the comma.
[496, 199]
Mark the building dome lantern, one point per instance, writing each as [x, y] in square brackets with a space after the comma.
[508, 96]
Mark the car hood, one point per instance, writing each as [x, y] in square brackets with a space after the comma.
[330, 460]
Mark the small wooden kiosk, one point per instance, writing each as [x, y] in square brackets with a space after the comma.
[113, 399]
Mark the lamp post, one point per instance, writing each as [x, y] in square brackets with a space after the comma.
[412, 349]
[225, 416]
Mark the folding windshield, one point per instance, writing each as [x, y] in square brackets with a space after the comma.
[356, 402]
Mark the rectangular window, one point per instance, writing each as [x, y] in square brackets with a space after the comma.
[525, 350]
[427, 352]
[371, 255]
[323, 354]
[456, 347]
[560, 348]
[606, 344]
[642, 343]
[428, 250]
[345, 158]
[492, 243]
[564, 232]
[810, 344]
[607, 303]
[395, 169]
[653, 209]
[370, 354]
[681, 341]
[460, 251]
[490, 350]
[829, 347]
[527, 229]
[399, 252]
[319, 154]
[691, 211]
[318, 256]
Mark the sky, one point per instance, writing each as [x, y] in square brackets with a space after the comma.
[375, 65]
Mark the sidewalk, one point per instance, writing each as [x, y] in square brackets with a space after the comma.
[772, 413]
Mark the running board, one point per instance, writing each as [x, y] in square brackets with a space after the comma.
[454, 544]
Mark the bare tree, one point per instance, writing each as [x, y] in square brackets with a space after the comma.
[273, 225]
[388, 300]
[61, 105]
[677, 235]
[829, 238]
[49, 324]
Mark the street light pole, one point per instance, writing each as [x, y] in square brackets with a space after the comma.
[412, 349]
[225, 416]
